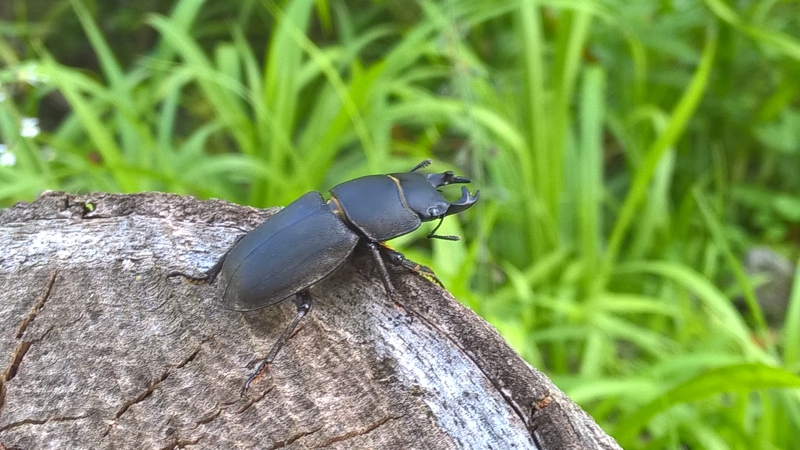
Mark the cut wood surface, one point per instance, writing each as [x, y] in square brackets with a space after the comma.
[101, 350]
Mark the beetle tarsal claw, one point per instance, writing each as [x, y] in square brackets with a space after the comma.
[427, 273]
[255, 376]
[252, 363]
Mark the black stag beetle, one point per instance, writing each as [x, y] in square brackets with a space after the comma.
[310, 238]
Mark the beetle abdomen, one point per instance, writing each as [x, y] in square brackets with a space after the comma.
[297, 247]
[373, 204]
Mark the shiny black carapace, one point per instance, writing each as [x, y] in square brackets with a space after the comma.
[309, 239]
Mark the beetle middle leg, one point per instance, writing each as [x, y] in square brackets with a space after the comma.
[303, 302]
[387, 282]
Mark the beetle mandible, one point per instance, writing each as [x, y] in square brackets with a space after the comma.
[310, 238]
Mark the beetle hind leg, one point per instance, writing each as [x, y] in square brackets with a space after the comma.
[211, 274]
[303, 302]
[208, 277]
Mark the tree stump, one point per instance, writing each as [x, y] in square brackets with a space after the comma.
[101, 350]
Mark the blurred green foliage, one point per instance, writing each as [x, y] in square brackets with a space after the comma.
[628, 153]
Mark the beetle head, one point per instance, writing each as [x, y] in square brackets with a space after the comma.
[443, 179]
[422, 195]
[467, 200]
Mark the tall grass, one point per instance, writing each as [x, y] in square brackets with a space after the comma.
[628, 154]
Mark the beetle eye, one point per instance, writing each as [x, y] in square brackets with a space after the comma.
[434, 211]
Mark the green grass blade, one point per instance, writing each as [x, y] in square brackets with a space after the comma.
[791, 330]
[735, 378]
[223, 92]
[108, 63]
[784, 43]
[720, 307]
[73, 85]
[534, 166]
[735, 265]
[589, 182]
[677, 124]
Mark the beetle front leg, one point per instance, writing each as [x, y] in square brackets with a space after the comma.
[303, 302]
[399, 259]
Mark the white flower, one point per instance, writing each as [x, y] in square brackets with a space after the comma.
[29, 127]
[7, 158]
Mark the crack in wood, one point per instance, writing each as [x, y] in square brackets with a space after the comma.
[191, 357]
[37, 307]
[41, 421]
[16, 360]
[151, 387]
[209, 418]
[363, 432]
[291, 440]
[254, 401]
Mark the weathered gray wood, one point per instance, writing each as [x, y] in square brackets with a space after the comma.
[100, 350]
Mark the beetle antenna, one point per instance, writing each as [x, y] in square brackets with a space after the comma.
[421, 165]
[448, 237]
